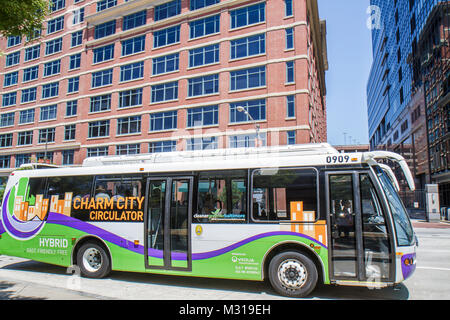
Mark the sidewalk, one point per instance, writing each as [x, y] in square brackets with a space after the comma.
[424, 224]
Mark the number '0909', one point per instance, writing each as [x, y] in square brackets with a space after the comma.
[338, 159]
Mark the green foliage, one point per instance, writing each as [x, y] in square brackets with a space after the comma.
[22, 17]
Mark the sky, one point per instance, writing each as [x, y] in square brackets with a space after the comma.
[349, 58]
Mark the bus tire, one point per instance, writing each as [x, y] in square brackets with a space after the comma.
[292, 274]
[93, 261]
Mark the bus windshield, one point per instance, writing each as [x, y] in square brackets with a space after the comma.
[403, 228]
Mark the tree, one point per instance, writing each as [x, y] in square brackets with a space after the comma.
[22, 17]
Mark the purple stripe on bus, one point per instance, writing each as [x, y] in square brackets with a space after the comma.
[211, 254]
[56, 218]
[36, 227]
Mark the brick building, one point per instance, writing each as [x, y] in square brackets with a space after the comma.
[125, 77]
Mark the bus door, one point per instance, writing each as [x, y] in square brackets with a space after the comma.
[360, 236]
[167, 223]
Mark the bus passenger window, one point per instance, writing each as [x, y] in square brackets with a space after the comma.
[276, 195]
[221, 197]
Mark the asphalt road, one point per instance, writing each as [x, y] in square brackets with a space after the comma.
[22, 279]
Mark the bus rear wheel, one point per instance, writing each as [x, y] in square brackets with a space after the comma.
[292, 274]
[93, 261]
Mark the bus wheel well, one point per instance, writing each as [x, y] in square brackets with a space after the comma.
[87, 239]
[293, 247]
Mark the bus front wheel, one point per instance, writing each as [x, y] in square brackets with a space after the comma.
[292, 274]
[93, 261]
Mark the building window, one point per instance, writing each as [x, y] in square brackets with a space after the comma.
[52, 67]
[248, 46]
[289, 38]
[25, 138]
[288, 9]
[26, 116]
[290, 106]
[256, 108]
[7, 119]
[12, 59]
[203, 85]
[50, 90]
[55, 25]
[28, 95]
[77, 38]
[105, 4]
[57, 5]
[9, 99]
[22, 159]
[162, 146]
[166, 36]
[134, 45]
[100, 103]
[248, 78]
[134, 20]
[71, 108]
[248, 15]
[75, 61]
[168, 9]
[205, 26]
[105, 29]
[129, 125]
[202, 143]
[97, 151]
[203, 116]
[98, 129]
[246, 140]
[6, 140]
[48, 113]
[69, 132]
[77, 16]
[68, 157]
[102, 78]
[291, 137]
[104, 53]
[5, 162]
[32, 53]
[204, 55]
[128, 149]
[30, 73]
[165, 92]
[53, 46]
[13, 41]
[163, 121]
[198, 4]
[290, 72]
[46, 135]
[130, 98]
[166, 64]
[73, 84]
[132, 71]
[10, 79]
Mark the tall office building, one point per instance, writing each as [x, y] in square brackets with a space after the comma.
[117, 77]
[396, 105]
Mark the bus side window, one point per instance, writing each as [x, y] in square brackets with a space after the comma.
[221, 197]
[276, 195]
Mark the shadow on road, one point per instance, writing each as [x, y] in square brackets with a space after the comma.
[7, 294]
[253, 287]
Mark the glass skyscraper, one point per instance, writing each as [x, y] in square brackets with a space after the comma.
[396, 27]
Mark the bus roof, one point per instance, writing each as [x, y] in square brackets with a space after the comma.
[218, 159]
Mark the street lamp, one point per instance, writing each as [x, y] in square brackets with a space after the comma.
[244, 110]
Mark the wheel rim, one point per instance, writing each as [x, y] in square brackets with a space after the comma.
[292, 274]
[92, 260]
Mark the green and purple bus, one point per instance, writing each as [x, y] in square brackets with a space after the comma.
[295, 215]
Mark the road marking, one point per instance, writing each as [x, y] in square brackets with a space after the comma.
[432, 268]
